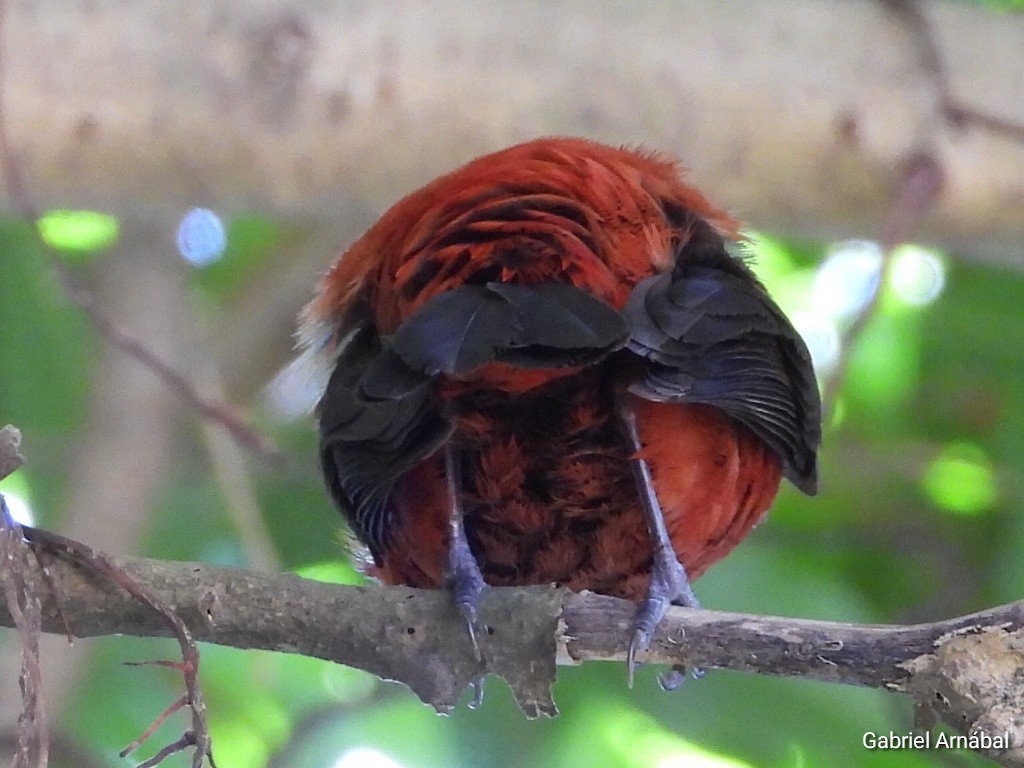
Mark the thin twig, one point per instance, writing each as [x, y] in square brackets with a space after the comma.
[187, 740]
[961, 114]
[157, 722]
[215, 411]
[198, 734]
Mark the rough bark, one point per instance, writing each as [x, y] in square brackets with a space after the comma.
[964, 670]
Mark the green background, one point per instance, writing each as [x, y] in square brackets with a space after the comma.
[920, 517]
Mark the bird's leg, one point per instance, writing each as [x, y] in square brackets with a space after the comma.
[669, 583]
[463, 575]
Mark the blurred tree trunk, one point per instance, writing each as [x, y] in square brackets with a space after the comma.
[795, 114]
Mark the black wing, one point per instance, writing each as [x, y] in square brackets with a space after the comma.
[713, 335]
[368, 441]
[544, 326]
[379, 416]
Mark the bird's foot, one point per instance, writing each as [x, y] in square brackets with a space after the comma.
[467, 584]
[669, 586]
[462, 576]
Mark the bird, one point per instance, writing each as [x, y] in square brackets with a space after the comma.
[554, 365]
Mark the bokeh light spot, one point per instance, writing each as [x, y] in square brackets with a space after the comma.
[18, 495]
[19, 509]
[961, 480]
[201, 237]
[918, 275]
[366, 757]
[848, 278]
[78, 230]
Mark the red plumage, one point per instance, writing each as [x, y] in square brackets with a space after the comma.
[444, 338]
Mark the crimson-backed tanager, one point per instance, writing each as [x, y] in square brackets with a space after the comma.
[548, 366]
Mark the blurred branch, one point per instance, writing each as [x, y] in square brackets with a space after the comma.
[921, 180]
[221, 413]
[227, 462]
[962, 670]
[24, 205]
[313, 110]
[957, 112]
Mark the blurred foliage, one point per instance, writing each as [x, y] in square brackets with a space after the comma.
[919, 518]
[78, 232]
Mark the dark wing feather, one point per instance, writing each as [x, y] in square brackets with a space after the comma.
[456, 331]
[713, 335]
[368, 440]
[562, 316]
[544, 326]
[378, 417]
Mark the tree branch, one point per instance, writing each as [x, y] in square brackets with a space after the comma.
[962, 670]
[957, 112]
